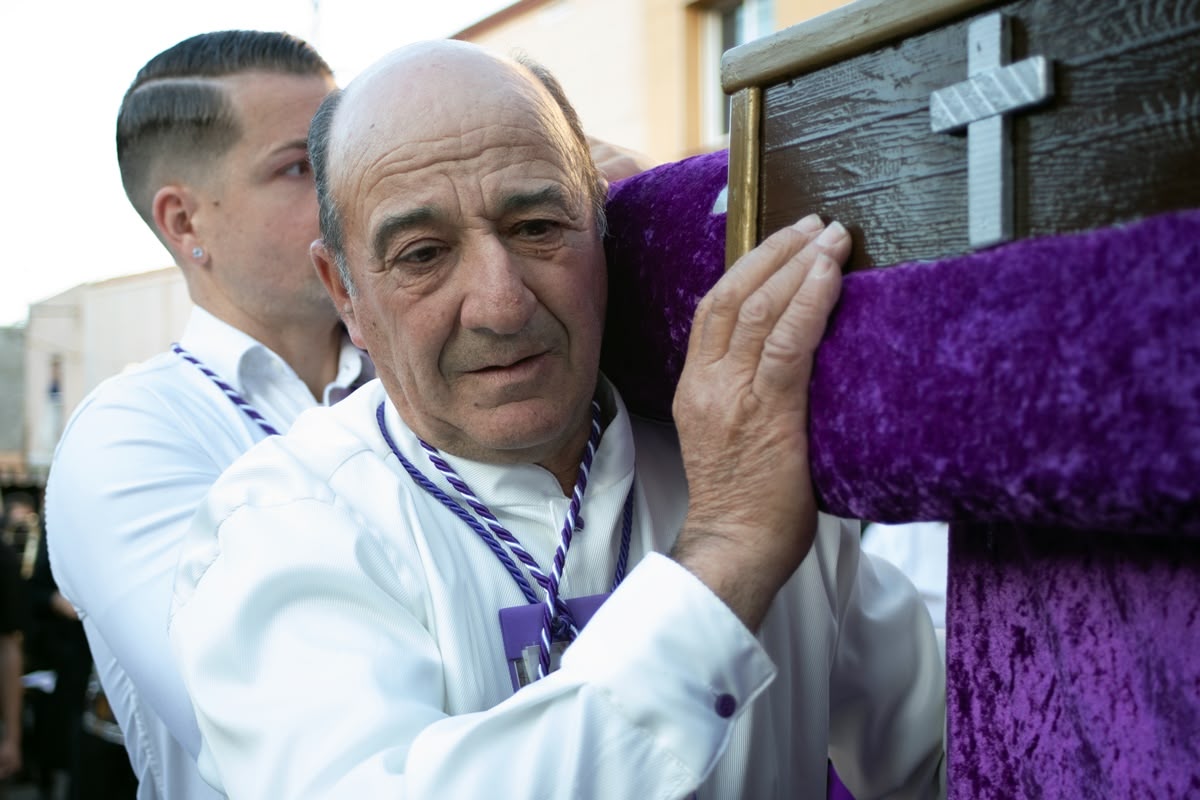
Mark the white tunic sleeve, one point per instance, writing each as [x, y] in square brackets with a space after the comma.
[128, 474]
[314, 674]
[887, 688]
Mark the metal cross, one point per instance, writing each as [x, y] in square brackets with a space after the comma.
[981, 104]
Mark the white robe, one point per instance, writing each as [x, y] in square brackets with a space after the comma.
[337, 628]
[137, 457]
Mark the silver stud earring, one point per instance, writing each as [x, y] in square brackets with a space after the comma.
[197, 253]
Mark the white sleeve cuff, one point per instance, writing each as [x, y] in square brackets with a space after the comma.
[674, 659]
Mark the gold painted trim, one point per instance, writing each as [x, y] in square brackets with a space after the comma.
[846, 31]
[741, 216]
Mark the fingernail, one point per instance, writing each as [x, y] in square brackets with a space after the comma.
[832, 234]
[810, 224]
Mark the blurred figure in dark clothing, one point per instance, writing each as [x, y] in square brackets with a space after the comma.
[12, 617]
[22, 529]
[56, 643]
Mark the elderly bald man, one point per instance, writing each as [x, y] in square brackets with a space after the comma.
[379, 603]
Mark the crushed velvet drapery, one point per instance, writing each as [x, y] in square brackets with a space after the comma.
[1044, 397]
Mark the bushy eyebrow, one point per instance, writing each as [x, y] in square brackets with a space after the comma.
[523, 201]
[515, 203]
[397, 224]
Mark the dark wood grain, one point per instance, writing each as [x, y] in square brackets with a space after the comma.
[1120, 140]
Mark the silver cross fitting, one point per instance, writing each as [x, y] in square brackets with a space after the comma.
[982, 104]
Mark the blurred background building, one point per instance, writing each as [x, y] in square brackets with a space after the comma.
[69, 343]
[644, 74]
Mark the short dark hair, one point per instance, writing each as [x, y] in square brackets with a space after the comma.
[175, 111]
[318, 153]
[319, 132]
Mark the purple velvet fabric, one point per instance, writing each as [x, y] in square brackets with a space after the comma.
[1073, 665]
[834, 788]
[665, 250]
[1053, 381]
[1047, 392]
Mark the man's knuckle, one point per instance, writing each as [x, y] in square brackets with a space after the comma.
[779, 352]
[790, 341]
[755, 312]
[723, 299]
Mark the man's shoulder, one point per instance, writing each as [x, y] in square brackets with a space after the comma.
[162, 404]
[160, 382]
[306, 461]
[345, 427]
[329, 457]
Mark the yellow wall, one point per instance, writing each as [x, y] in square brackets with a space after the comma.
[598, 51]
[633, 69]
[792, 12]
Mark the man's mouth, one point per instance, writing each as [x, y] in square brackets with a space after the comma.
[506, 364]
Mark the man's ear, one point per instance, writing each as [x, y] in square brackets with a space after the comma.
[173, 209]
[327, 270]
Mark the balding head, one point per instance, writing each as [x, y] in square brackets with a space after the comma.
[424, 92]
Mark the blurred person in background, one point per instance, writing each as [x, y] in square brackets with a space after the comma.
[211, 146]
[12, 622]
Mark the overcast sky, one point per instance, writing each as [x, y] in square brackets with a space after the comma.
[65, 219]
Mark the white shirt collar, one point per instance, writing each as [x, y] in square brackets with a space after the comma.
[354, 369]
[238, 357]
[222, 347]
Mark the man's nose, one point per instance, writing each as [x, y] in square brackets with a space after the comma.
[496, 297]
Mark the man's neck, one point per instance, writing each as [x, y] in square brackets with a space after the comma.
[313, 354]
[310, 346]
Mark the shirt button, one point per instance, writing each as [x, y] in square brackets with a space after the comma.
[725, 706]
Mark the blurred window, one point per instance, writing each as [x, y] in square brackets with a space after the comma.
[727, 25]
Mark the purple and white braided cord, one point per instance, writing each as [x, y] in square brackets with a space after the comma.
[495, 532]
[460, 512]
[482, 510]
[560, 555]
[247, 409]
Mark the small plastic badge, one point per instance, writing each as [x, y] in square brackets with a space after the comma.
[521, 628]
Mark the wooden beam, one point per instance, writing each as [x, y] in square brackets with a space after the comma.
[741, 219]
[846, 31]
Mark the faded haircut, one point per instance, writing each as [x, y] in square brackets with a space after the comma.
[331, 219]
[176, 114]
